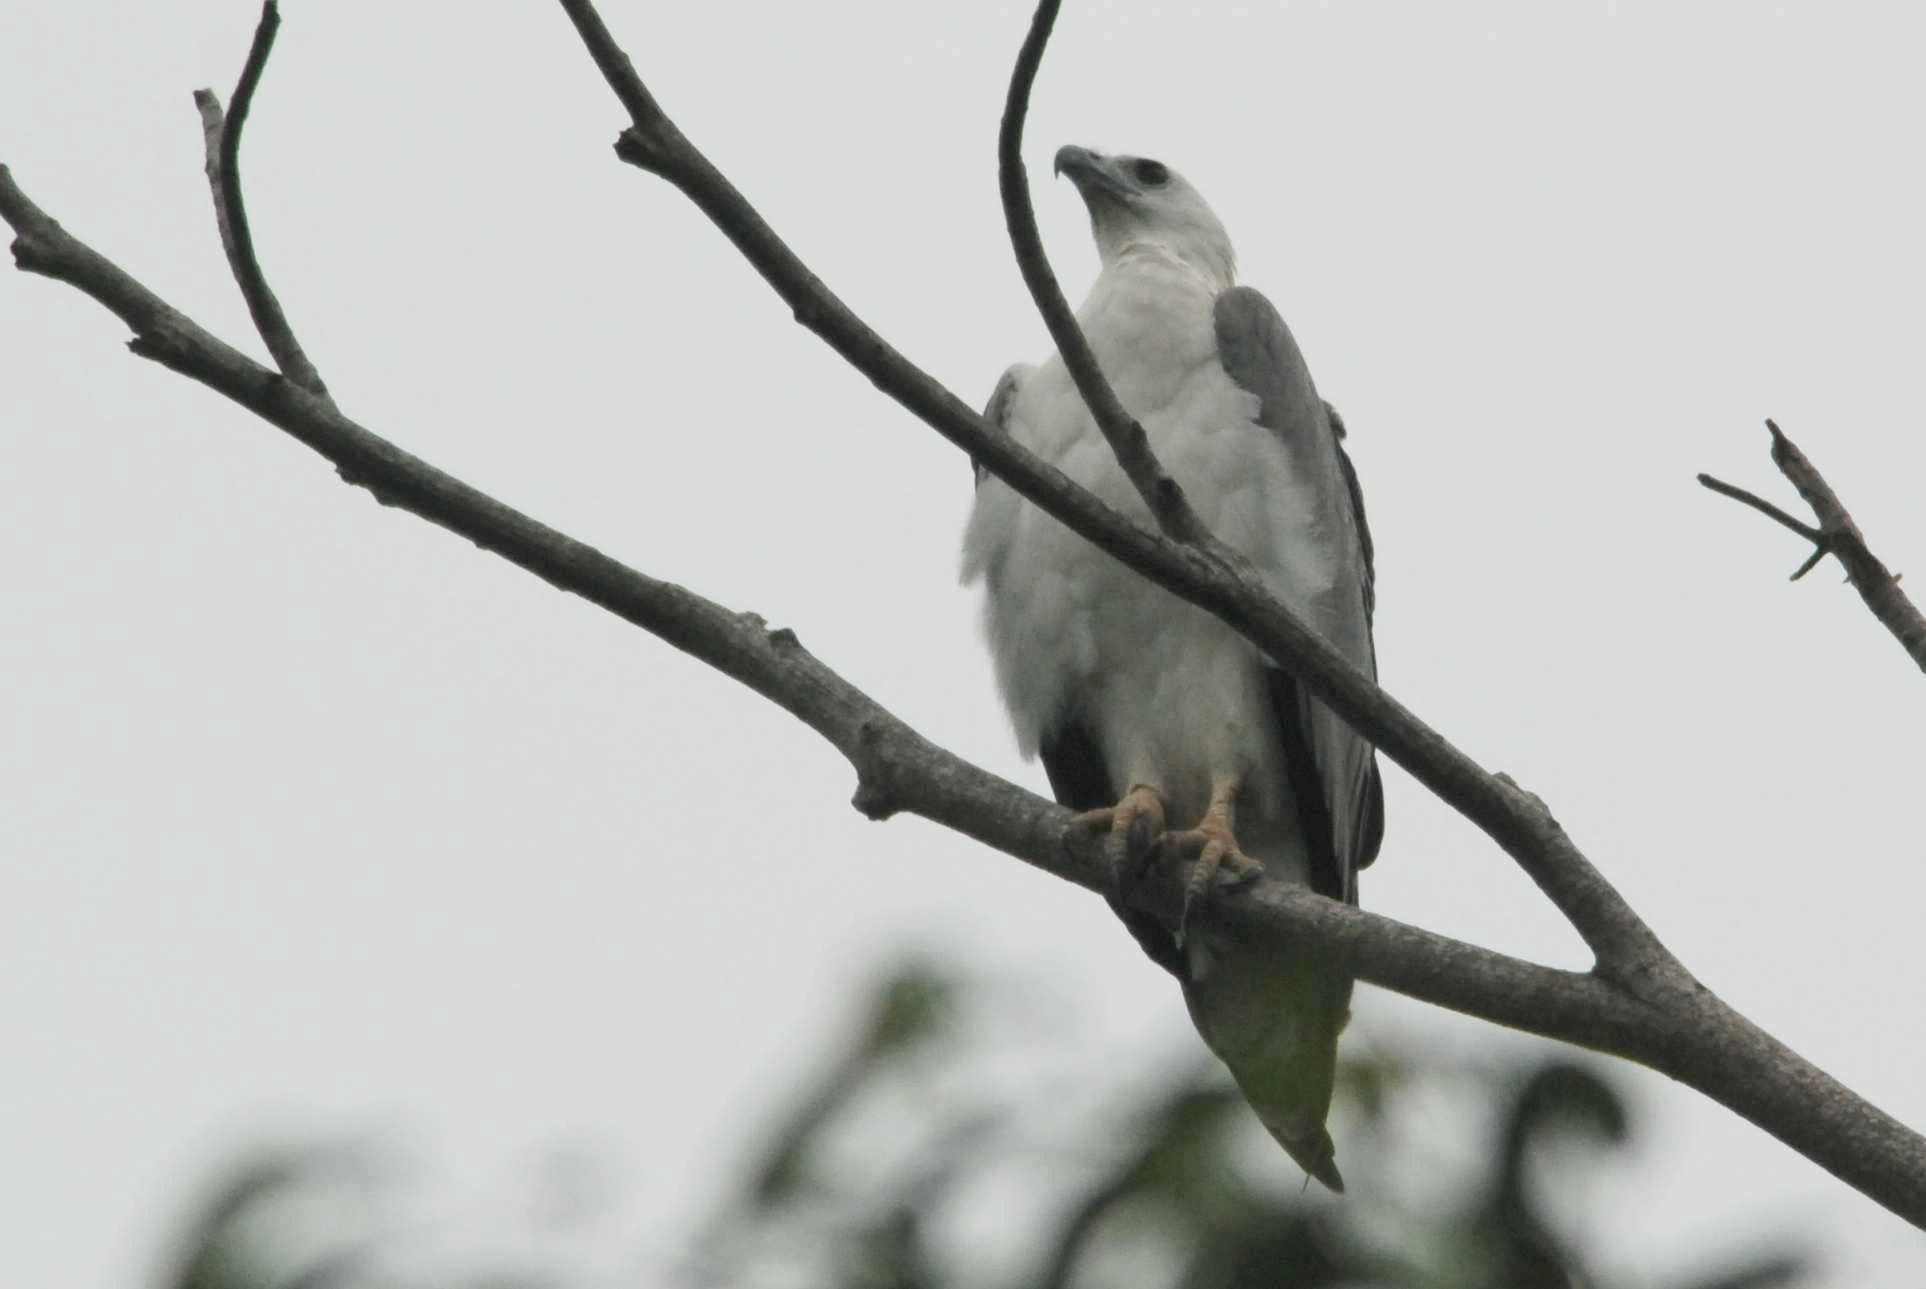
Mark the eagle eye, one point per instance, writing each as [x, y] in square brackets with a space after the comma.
[1152, 174]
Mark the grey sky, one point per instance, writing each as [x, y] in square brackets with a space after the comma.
[317, 816]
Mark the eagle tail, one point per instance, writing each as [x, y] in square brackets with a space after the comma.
[1274, 1018]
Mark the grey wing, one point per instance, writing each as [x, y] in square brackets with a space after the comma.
[1332, 766]
[1339, 432]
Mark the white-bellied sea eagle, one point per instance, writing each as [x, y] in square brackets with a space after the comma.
[1147, 710]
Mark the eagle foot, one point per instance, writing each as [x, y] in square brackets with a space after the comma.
[1132, 828]
[1216, 861]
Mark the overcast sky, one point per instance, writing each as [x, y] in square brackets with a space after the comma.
[319, 819]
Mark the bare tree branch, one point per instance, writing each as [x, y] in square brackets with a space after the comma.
[1836, 535]
[1638, 1003]
[223, 140]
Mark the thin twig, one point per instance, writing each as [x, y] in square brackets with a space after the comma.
[1765, 508]
[1131, 446]
[1819, 552]
[223, 141]
[1839, 536]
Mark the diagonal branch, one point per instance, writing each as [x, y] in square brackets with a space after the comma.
[223, 138]
[1516, 820]
[1839, 536]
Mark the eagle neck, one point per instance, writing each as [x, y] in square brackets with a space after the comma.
[1159, 255]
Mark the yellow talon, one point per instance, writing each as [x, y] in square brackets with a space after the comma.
[1213, 845]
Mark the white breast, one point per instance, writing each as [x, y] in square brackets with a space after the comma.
[1173, 695]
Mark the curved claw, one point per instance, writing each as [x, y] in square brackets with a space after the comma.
[1218, 857]
[1134, 825]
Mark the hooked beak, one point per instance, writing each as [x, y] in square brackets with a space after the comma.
[1094, 175]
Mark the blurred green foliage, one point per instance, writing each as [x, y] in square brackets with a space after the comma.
[919, 1158]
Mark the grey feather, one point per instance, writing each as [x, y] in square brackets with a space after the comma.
[1259, 353]
[1357, 511]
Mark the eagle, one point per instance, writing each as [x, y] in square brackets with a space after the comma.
[1160, 724]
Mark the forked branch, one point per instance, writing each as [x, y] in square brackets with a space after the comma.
[223, 142]
[1836, 535]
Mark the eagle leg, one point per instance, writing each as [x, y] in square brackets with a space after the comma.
[1133, 826]
[1213, 849]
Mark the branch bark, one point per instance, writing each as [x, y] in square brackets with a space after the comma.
[1637, 1003]
[1836, 535]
